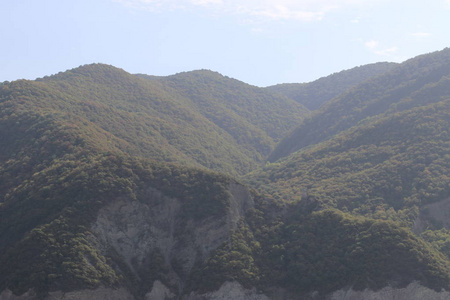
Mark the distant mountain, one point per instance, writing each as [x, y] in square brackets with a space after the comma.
[315, 94]
[414, 83]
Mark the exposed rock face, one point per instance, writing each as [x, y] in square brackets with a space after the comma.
[414, 291]
[229, 291]
[97, 294]
[434, 213]
[234, 291]
[159, 292]
[8, 295]
[136, 229]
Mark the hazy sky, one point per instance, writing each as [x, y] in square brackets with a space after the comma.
[261, 42]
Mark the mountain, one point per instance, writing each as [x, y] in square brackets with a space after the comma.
[377, 152]
[233, 105]
[107, 220]
[416, 82]
[372, 152]
[121, 186]
[385, 168]
[149, 119]
[79, 210]
[315, 94]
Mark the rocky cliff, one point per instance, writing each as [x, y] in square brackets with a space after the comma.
[234, 291]
[137, 231]
[153, 244]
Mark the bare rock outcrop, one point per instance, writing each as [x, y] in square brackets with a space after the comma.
[136, 229]
[437, 213]
[414, 291]
[229, 291]
[101, 293]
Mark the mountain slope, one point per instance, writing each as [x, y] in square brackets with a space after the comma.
[78, 224]
[416, 82]
[150, 120]
[90, 207]
[74, 206]
[315, 94]
[399, 161]
[254, 117]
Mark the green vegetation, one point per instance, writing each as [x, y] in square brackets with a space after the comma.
[419, 81]
[329, 250]
[315, 94]
[152, 120]
[383, 169]
[58, 169]
[45, 220]
[333, 208]
[234, 261]
[322, 251]
[244, 106]
[440, 239]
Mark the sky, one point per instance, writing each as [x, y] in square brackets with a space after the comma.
[260, 42]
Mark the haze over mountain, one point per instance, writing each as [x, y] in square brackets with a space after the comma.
[313, 94]
[412, 83]
[121, 186]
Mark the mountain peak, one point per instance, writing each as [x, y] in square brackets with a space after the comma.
[94, 70]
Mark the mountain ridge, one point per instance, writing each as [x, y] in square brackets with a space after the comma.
[318, 92]
[386, 93]
[115, 185]
[147, 109]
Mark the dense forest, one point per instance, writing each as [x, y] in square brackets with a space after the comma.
[416, 82]
[109, 179]
[314, 94]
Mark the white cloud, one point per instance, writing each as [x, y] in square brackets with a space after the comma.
[205, 2]
[150, 5]
[257, 30]
[387, 52]
[371, 44]
[280, 12]
[421, 34]
[303, 10]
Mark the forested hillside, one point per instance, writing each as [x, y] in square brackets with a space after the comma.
[233, 105]
[59, 170]
[148, 119]
[315, 94]
[385, 168]
[128, 186]
[416, 82]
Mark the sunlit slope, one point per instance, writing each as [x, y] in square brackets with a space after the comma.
[149, 119]
[254, 117]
